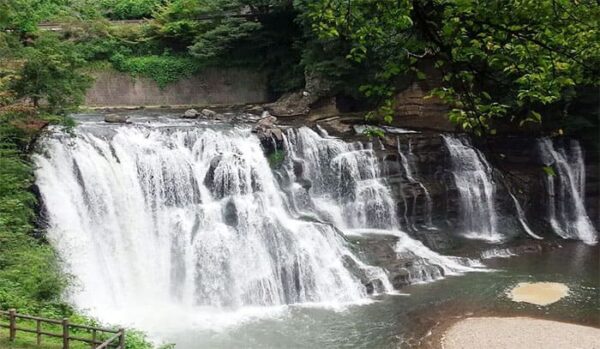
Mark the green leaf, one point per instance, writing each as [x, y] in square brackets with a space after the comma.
[549, 171]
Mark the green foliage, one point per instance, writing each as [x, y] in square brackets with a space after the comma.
[162, 69]
[374, 132]
[502, 62]
[276, 158]
[129, 9]
[22, 16]
[549, 171]
[218, 40]
[49, 74]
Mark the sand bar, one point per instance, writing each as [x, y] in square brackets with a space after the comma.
[519, 333]
[540, 293]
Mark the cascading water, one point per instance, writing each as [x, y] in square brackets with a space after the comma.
[345, 184]
[186, 218]
[406, 157]
[521, 217]
[473, 178]
[346, 189]
[566, 188]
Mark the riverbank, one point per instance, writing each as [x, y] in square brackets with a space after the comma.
[518, 332]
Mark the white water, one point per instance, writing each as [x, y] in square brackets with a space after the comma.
[521, 217]
[497, 253]
[566, 209]
[347, 190]
[408, 166]
[155, 221]
[473, 178]
[192, 218]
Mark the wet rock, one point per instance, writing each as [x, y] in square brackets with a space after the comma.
[255, 109]
[208, 114]
[190, 114]
[116, 119]
[270, 135]
[305, 183]
[230, 214]
[268, 121]
[298, 168]
[223, 117]
[277, 133]
[210, 174]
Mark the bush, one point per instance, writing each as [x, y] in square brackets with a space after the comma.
[163, 69]
[129, 9]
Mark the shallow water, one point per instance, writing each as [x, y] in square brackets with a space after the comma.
[393, 321]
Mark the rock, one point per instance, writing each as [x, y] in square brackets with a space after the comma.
[267, 121]
[255, 109]
[191, 114]
[277, 133]
[291, 104]
[208, 114]
[298, 167]
[271, 136]
[116, 118]
[305, 183]
[231, 214]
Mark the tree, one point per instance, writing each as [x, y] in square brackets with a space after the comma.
[502, 61]
[50, 75]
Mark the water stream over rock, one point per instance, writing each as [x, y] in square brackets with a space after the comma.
[566, 188]
[190, 218]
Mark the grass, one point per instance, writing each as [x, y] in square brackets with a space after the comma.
[25, 340]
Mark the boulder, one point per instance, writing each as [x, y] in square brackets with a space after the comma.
[191, 114]
[291, 104]
[208, 114]
[267, 121]
[116, 118]
[277, 133]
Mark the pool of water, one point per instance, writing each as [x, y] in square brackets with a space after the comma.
[408, 319]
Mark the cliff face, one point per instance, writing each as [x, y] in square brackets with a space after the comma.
[517, 169]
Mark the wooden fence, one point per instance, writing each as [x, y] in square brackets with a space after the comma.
[116, 339]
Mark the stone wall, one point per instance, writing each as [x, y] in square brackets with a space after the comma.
[211, 87]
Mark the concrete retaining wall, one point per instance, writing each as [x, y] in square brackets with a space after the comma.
[211, 87]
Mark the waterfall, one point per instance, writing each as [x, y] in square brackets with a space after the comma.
[473, 178]
[342, 182]
[163, 217]
[521, 217]
[566, 191]
[406, 158]
[345, 181]
[192, 217]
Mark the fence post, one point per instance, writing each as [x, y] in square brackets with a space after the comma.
[122, 338]
[13, 324]
[65, 325]
[94, 336]
[38, 329]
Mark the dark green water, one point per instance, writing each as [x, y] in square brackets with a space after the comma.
[405, 321]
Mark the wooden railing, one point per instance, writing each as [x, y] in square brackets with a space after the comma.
[116, 339]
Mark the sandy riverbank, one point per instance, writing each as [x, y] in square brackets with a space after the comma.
[519, 333]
